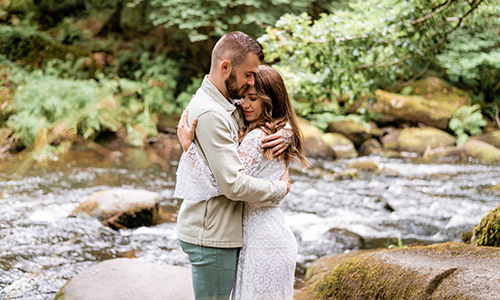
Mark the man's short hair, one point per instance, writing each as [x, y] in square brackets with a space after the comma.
[235, 46]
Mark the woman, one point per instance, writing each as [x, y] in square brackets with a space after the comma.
[266, 263]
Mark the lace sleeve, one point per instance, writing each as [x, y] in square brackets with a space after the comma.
[249, 151]
[195, 181]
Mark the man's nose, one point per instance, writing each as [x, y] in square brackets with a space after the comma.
[251, 81]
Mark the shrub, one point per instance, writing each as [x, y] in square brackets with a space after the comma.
[467, 120]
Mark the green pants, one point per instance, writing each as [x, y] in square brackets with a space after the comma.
[213, 270]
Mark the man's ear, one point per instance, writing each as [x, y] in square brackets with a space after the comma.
[225, 67]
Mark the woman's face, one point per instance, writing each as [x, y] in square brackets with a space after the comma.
[252, 105]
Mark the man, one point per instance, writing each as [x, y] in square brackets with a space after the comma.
[210, 232]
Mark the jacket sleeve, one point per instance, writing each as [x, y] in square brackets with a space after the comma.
[214, 136]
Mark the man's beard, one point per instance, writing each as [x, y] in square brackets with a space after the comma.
[234, 91]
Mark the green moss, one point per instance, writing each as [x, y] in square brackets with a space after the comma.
[487, 233]
[367, 277]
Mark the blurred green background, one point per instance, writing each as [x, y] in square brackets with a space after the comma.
[88, 70]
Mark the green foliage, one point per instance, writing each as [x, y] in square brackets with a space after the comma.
[184, 97]
[374, 44]
[399, 244]
[467, 120]
[472, 57]
[203, 19]
[22, 42]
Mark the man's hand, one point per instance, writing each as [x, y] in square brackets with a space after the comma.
[279, 141]
[185, 134]
[286, 178]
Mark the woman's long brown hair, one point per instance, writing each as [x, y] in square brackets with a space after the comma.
[278, 112]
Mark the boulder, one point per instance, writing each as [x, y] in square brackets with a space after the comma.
[402, 109]
[444, 271]
[354, 130]
[122, 208]
[492, 138]
[342, 146]
[129, 279]
[419, 139]
[314, 145]
[433, 88]
[482, 151]
[453, 153]
[389, 138]
[370, 146]
[487, 233]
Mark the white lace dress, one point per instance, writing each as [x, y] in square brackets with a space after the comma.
[266, 264]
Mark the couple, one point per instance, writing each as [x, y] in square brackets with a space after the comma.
[229, 223]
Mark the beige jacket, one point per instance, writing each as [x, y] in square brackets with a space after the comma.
[218, 221]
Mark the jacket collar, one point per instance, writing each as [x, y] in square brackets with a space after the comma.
[216, 95]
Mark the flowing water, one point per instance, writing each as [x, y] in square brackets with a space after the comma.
[42, 246]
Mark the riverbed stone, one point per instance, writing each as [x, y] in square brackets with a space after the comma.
[354, 130]
[482, 151]
[487, 233]
[129, 279]
[370, 146]
[341, 145]
[122, 208]
[434, 88]
[419, 139]
[492, 138]
[443, 271]
[413, 109]
[314, 145]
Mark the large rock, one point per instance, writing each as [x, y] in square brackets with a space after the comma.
[487, 233]
[419, 139]
[443, 271]
[410, 109]
[482, 151]
[433, 88]
[342, 146]
[416, 139]
[129, 279]
[354, 130]
[314, 145]
[492, 138]
[120, 208]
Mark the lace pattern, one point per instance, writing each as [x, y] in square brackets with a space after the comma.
[195, 181]
[266, 265]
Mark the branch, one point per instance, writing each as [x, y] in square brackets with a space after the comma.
[497, 118]
[431, 48]
[427, 17]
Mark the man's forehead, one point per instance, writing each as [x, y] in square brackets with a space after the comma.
[251, 64]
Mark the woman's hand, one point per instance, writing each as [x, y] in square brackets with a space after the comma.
[185, 134]
[279, 141]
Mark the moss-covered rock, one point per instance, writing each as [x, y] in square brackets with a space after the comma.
[370, 146]
[397, 108]
[443, 271]
[343, 147]
[433, 88]
[314, 146]
[482, 151]
[492, 138]
[419, 139]
[354, 130]
[487, 233]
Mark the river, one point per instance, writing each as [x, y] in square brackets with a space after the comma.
[42, 245]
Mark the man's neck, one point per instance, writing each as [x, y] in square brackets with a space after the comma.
[219, 84]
